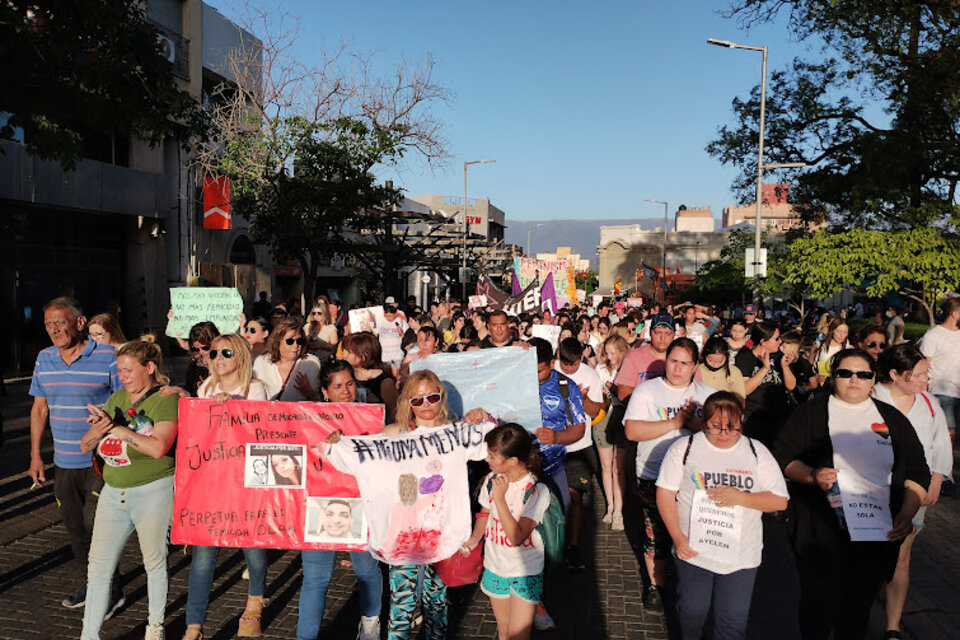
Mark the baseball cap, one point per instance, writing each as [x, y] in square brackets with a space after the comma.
[390, 300]
[662, 319]
[750, 308]
[620, 305]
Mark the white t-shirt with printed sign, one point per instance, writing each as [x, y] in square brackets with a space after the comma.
[414, 488]
[499, 556]
[586, 378]
[861, 440]
[709, 466]
[656, 400]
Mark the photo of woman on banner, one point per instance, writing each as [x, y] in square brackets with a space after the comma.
[284, 464]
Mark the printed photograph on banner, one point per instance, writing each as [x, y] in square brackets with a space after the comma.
[334, 520]
[274, 466]
[366, 320]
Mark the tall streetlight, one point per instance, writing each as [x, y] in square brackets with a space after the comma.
[531, 228]
[663, 257]
[763, 107]
[463, 265]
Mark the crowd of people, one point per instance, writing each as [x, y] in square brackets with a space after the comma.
[675, 410]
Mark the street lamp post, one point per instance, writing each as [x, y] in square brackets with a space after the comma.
[696, 259]
[463, 265]
[663, 257]
[529, 229]
[763, 107]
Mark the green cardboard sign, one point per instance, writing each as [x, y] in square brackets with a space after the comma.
[220, 305]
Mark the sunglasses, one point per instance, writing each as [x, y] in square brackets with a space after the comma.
[316, 313]
[847, 373]
[250, 330]
[430, 399]
[291, 341]
[195, 349]
[226, 353]
[874, 345]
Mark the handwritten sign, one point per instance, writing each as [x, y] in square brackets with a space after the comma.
[715, 531]
[249, 474]
[220, 305]
[477, 302]
[503, 381]
[866, 507]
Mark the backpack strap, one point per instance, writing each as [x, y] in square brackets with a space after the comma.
[564, 383]
[929, 404]
[686, 452]
[753, 449]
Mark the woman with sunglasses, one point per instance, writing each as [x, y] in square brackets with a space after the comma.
[903, 377]
[847, 434]
[338, 385]
[729, 470]
[422, 404]
[288, 371]
[256, 331]
[200, 338]
[872, 339]
[230, 378]
[321, 335]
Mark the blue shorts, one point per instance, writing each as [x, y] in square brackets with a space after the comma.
[528, 588]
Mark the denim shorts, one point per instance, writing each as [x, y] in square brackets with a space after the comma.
[527, 588]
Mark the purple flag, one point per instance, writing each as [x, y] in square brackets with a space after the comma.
[515, 288]
[548, 295]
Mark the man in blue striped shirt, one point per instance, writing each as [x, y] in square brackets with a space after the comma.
[73, 372]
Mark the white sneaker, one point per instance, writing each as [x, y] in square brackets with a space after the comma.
[543, 622]
[369, 628]
[154, 632]
[246, 574]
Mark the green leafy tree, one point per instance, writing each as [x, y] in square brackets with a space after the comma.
[918, 263]
[724, 280]
[314, 194]
[877, 120]
[75, 69]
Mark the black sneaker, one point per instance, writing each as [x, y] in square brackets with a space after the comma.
[652, 600]
[575, 559]
[117, 600]
[76, 599]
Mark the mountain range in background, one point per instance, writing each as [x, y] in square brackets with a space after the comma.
[582, 236]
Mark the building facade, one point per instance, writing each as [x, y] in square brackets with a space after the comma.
[776, 214]
[126, 224]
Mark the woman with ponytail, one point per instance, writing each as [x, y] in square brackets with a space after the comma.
[512, 502]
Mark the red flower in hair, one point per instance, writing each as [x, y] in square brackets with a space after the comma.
[749, 343]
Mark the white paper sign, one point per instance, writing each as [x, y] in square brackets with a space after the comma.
[866, 507]
[715, 531]
[477, 302]
[549, 332]
[219, 305]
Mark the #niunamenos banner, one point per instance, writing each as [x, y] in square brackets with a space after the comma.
[502, 381]
[250, 474]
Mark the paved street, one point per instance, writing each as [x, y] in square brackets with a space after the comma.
[603, 602]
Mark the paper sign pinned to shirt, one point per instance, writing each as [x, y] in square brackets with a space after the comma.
[866, 507]
[503, 381]
[220, 305]
[715, 531]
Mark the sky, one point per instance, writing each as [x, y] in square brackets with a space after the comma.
[587, 108]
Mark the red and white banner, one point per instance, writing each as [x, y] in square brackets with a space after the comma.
[249, 474]
[217, 204]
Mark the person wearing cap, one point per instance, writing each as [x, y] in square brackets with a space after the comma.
[750, 316]
[649, 361]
